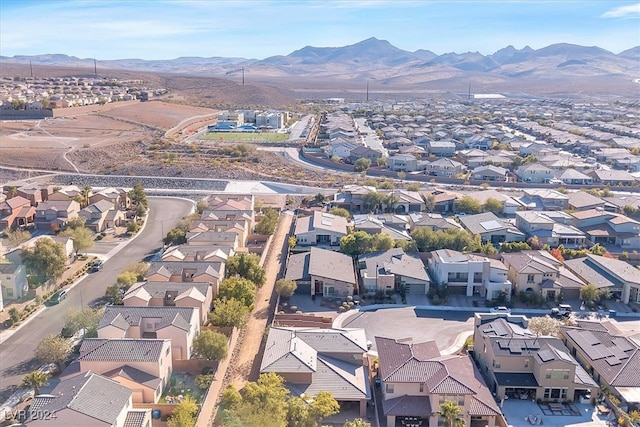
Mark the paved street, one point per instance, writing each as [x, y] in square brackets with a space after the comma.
[16, 353]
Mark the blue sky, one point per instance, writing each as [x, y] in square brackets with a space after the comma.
[166, 29]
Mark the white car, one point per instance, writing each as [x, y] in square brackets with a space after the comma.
[500, 309]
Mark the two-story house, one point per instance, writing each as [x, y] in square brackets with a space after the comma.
[527, 270]
[322, 272]
[171, 294]
[213, 237]
[180, 325]
[240, 227]
[90, 400]
[16, 212]
[441, 148]
[142, 365]
[197, 253]
[313, 360]
[403, 163]
[102, 215]
[391, 270]
[489, 173]
[321, 228]
[187, 271]
[352, 198]
[118, 197]
[534, 173]
[415, 379]
[608, 228]
[432, 221]
[491, 229]
[469, 274]
[54, 215]
[551, 228]
[445, 167]
[13, 281]
[518, 364]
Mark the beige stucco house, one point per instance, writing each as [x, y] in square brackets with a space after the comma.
[322, 272]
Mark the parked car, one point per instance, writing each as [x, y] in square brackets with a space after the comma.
[58, 297]
[96, 266]
[500, 309]
[563, 310]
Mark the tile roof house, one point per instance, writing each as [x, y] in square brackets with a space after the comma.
[214, 253]
[351, 198]
[445, 167]
[312, 360]
[180, 325]
[102, 215]
[171, 294]
[612, 359]
[432, 221]
[54, 215]
[117, 197]
[214, 238]
[519, 364]
[16, 212]
[549, 230]
[404, 163]
[322, 272]
[391, 270]
[581, 201]
[13, 280]
[405, 201]
[469, 274]
[619, 277]
[491, 229]
[321, 228]
[608, 228]
[571, 176]
[241, 227]
[612, 177]
[372, 225]
[528, 269]
[89, 400]
[489, 173]
[416, 379]
[143, 365]
[544, 199]
[510, 205]
[534, 173]
[187, 271]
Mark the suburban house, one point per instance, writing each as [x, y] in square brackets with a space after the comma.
[13, 281]
[510, 205]
[187, 271]
[171, 294]
[405, 201]
[352, 198]
[441, 148]
[545, 225]
[322, 272]
[432, 221]
[54, 215]
[582, 201]
[372, 225]
[143, 366]
[391, 270]
[489, 173]
[534, 173]
[572, 176]
[16, 212]
[479, 141]
[362, 152]
[33, 193]
[241, 227]
[608, 228]
[469, 274]
[212, 237]
[341, 149]
[88, 400]
[415, 379]
[118, 197]
[612, 177]
[180, 325]
[544, 199]
[66, 193]
[443, 201]
[321, 228]
[491, 229]
[230, 207]
[313, 360]
[619, 277]
[197, 253]
[610, 357]
[404, 163]
[519, 364]
[445, 167]
[102, 215]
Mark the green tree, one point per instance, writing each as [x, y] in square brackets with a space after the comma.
[268, 223]
[211, 345]
[184, 415]
[202, 205]
[204, 381]
[514, 247]
[229, 312]
[589, 293]
[269, 393]
[452, 414]
[414, 186]
[492, 205]
[78, 222]
[175, 236]
[247, 266]
[323, 406]
[231, 398]
[46, 258]
[17, 237]
[598, 249]
[286, 287]
[137, 195]
[82, 238]
[340, 212]
[362, 164]
[53, 349]
[382, 242]
[468, 204]
[356, 243]
[87, 318]
[238, 288]
[127, 278]
[35, 380]
[140, 269]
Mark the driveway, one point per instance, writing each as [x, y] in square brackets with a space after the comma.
[16, 353]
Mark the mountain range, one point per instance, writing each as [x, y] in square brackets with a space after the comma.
[563, 66]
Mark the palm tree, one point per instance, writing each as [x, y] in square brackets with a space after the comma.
[35, 379]
[452, 414]
[86, 191]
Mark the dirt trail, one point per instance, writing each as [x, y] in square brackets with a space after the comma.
[246, 366]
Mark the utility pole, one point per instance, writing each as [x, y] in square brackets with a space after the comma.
[95, 67]
[242, 76]
[367, 90]
[30, 68]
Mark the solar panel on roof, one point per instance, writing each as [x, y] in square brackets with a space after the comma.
[499, 329]
[613, 361]
[622, 344]
[491, 225]
[328, 215]
[546, 355]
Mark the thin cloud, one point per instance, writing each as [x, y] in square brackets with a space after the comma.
[631, 11]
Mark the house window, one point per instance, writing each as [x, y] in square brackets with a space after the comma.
[421, 387]
[9, 292]
[496, 364]
[526, 363]
[389, 388]
[530, 278]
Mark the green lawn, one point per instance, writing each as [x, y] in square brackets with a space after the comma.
[245, 136]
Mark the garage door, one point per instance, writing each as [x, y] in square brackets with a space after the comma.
[415, 288]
